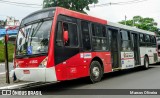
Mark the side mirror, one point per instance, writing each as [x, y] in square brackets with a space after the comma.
[65, 36]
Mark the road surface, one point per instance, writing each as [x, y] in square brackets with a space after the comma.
[127, 79]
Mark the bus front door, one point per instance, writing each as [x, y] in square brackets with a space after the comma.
[114, 47]
[135, 41]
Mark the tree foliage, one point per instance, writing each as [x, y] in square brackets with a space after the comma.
[148, 24]
[76, 5]
[2, 23]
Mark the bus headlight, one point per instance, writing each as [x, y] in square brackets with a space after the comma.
[44, 63]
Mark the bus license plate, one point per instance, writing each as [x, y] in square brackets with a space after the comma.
[26, 71]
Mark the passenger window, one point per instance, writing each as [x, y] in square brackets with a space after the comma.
[98, 30]
[85, 35]
[153, 41]
[99, 39]
[126, 42]
[59, 37]
[109, 37]
[72, 34]
[141, 38]
[147, 38]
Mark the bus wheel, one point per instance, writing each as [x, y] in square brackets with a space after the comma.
[96, 72]
[146, 63]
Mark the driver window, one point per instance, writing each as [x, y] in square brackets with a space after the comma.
[72, 34]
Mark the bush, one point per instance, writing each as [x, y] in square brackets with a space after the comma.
[10, 52]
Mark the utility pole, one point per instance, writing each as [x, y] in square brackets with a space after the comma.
[133, 22]
[125, 20]
[6, 57]
[6, 38]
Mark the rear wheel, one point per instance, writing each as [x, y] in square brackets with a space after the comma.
[96, 72]
[146, 63]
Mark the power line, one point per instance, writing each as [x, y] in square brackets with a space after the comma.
[19, 3]
[119, 3]
[129, 2]
[132, 1]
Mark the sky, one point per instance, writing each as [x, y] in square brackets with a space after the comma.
[113, 13]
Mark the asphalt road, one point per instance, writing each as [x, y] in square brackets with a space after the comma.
[127, 79]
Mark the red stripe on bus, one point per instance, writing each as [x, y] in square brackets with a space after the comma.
[127, 58]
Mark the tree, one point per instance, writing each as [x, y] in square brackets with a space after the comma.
[2, 23]
[148, 24]
[76, 5]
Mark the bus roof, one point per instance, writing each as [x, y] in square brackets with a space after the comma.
[71, 13]
[79, 15]
[75, 14]
[129, 28]
[43, 10]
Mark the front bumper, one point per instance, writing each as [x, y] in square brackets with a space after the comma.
[36, 74]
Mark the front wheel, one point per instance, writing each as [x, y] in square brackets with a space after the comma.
[96, 72]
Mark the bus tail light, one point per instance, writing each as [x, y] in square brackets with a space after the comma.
[44, 63]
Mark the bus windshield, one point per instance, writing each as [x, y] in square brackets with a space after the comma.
[33, 39]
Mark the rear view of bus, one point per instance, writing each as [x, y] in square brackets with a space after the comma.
[32, 47]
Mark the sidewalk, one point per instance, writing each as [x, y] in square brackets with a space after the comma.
[3, 81]
[2, 67]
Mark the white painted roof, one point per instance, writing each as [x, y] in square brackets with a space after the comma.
[129, 28]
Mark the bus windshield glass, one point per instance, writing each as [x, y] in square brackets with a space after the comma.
[33, 39]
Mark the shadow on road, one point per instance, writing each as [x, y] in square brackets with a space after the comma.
[60, 87]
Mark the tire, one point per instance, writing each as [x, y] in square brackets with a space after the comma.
[146, 63]
[96, 72]
[14, 77]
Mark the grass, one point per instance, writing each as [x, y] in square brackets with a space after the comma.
[10, 52]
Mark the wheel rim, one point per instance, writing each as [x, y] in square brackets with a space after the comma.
[96, 72]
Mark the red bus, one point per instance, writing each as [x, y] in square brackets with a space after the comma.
[58, 44]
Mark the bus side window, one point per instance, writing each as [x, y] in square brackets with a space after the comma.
[99, 38]
[85, 35]
[148, 40]
[126, 40]
[142, 42]
[109, 38]
[59, 33]
[155, 41]
[72, 34]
